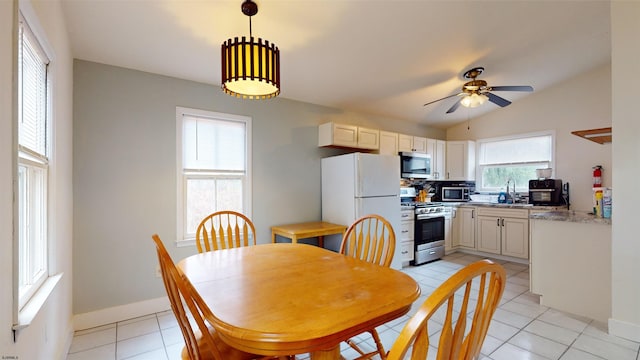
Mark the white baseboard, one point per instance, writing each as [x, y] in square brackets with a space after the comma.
[67, 343]
[624, 329]
[119, 313]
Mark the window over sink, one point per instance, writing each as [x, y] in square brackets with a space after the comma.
[514, 159]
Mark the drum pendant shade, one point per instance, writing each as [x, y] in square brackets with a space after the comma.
[250, 68]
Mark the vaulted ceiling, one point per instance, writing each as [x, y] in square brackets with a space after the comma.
[380, 57]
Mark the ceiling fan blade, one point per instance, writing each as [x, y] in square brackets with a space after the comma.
[454, 107]
[511, 88]
[446, 97]
[500, 101]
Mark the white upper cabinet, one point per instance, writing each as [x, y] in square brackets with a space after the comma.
[388, 143]
[410, 143]
[461, 160]
[368, 138]
[332, 134]
[437, 149]
[405, 142]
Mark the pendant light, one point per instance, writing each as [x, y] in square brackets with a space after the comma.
[250, 68]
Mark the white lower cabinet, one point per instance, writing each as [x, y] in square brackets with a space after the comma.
[447, 233]
[455, 230]
[503, 231]
[467, 227]
[491, 230]
[515, 238]
[489, 234]
[406, 235]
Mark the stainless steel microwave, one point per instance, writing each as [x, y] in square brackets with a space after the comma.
[414, 165]
[455, 193]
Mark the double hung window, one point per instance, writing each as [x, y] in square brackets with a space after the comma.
[33, 162]
[214, 162]
[513, 159]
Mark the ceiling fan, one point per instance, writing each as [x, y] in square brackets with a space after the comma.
[477, 92]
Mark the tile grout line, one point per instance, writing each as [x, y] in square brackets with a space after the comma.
[520, 329]
[164, 345]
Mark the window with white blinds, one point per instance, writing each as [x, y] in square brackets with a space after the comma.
[214, 144]
[214, 167]
[514, 159]
[33, 162]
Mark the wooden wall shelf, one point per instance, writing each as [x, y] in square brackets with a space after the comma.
[600, 136]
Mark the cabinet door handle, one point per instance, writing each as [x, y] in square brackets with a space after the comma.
[498, 222]
[405, 231]
[473, 214]
[502, 222]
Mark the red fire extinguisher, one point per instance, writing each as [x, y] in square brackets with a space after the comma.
[597, 176]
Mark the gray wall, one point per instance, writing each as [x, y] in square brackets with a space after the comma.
[125, 172]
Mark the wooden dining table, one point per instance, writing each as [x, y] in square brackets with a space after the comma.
[285, 299]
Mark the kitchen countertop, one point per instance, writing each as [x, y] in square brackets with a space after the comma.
[570, 216]
[500, 205]
[506, 206]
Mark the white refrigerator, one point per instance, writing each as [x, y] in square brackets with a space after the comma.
[358, 184]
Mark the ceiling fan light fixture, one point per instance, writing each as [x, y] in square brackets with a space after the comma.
[250, 68]
[473, 100]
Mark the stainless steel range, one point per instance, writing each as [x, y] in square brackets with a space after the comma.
[429, 232]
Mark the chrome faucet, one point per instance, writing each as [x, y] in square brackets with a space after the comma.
[509, 194]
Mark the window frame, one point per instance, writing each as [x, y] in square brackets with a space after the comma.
[519, 187]
[183, 239]
[26, 290]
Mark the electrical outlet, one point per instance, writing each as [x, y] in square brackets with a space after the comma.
[158, 271]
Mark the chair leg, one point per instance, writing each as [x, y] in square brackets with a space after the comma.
[376, 338]
[356, 348]
[379, 348]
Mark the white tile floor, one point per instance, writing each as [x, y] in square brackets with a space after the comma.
[521, 328]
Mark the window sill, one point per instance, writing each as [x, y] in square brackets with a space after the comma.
[36, 303]
[186, 242]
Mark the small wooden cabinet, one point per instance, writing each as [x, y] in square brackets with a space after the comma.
[461, 160]
[410, 143]
[332, 134]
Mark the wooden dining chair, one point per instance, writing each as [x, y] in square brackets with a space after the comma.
[370, 238]
[202, 343]
[458, 340]
[224, 230]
